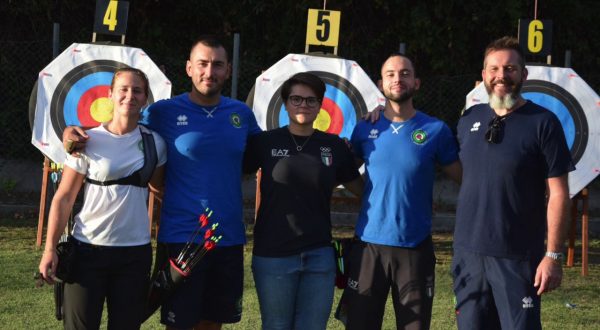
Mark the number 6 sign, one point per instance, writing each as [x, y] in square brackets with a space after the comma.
[535, 36]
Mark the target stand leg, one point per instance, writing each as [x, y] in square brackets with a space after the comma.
[583, 196]
[43, 196]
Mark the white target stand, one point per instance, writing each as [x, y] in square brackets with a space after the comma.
[577, 106]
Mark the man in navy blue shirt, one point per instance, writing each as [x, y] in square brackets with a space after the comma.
[514, 196]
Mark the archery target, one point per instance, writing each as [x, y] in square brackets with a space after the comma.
[73, 90]
[577, 107]
[349, 94]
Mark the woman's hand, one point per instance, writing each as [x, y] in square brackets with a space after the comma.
[48, 265]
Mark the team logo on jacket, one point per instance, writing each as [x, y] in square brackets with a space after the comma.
[182, 120]
[326, 156]
[419, 136]
[235, 120]
[373, 133]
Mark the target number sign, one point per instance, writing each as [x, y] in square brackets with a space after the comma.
[576, 106]
[323, 27]
[111, 17]
[535, 36]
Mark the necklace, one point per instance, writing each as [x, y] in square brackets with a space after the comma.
[209, 113]
[298, 147]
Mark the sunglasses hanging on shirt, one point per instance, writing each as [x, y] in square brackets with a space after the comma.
[495, 131]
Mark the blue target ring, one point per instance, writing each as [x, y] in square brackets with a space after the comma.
[77, 90]
[559, 109]
[567, 109]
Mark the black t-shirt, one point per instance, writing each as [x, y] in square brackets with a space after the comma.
[296, 188]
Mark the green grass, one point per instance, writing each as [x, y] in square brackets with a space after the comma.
[22, 306]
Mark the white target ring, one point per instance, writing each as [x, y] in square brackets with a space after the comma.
[577, 107]
[73, 90]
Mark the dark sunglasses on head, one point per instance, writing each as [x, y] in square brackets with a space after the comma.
[495, 130]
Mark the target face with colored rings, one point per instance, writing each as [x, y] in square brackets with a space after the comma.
[81, 99]
[349, 94]
[73, 90]
[577, 107]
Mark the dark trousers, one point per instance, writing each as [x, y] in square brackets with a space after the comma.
[375, 270]
[118, 275]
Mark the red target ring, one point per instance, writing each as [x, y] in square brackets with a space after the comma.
[88, 103]
[335, 118]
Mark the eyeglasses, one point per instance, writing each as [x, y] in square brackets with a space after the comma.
[311, 101]
[495, 130]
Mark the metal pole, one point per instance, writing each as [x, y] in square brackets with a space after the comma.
[402, 48]
[236, 65]
[55, 39]
[567, 58]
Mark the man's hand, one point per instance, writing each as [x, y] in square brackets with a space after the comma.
[74, 139]
[374, 115]
[548, 275]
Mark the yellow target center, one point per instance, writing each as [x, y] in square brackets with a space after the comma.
[322, 121]
[102, 109]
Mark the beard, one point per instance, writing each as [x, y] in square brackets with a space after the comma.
[403, 97]
[209, 91]
[507, 101]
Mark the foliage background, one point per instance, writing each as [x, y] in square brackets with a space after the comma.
[445, 38]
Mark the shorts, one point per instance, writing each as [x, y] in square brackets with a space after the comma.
[117, 275]
[374, 269]
[495, 293]
[213, 292]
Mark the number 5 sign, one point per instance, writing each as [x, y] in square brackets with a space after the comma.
[323, 28]
[535, 36]
[111, 17]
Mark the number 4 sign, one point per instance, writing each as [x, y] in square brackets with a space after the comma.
[111, 17]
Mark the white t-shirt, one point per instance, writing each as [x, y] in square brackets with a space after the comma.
[114, 215]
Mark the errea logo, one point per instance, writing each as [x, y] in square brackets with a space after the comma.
[182, 120]
[527, 302]
[475, 127]
[352, 284]
[373, 133]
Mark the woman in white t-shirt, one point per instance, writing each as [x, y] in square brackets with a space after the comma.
[111, 235]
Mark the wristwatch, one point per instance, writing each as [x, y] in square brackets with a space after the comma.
[556, 256]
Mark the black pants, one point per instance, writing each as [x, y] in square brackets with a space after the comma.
[375, 269]
[117, 274]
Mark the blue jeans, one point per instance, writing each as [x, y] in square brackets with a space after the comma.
[295, 292]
